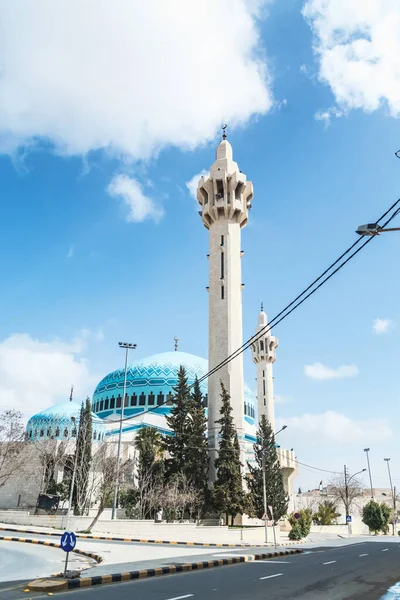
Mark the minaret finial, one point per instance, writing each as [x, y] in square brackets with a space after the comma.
[176, 340]
[262, 306]
[224, 136]
[72, 393]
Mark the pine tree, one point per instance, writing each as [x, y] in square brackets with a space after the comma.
[197, 462]
[228, 494]
[83, 454]
[276, 495]
[179, 423]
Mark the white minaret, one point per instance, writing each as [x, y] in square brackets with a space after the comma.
[225, 198]
[264, 354]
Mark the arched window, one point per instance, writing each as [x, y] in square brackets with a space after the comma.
[35, 432]
[30, 433]
[49, 432]
[169, 399]
[142, 399]
[101, 405]
[119, 401]
[66, 432]
[95, 435]
[160, 399]
[57, 432]
[112, 402]
[126, 400]
[73, 433]
[106, 404]
[245, 409]
[41, 432]
[133, 400]
[151, 399]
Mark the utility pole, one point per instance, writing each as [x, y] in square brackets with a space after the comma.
[366, 450]
[126, 347]
[393, 495]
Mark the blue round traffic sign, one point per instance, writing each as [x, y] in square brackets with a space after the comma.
[68, 541]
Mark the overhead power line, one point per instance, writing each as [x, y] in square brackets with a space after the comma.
[300, 299]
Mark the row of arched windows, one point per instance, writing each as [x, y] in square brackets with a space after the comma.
[133, 401]
[35, 433]
[249, 411]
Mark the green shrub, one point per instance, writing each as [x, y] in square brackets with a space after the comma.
[295, 533]
[302, 525]
[376, 516]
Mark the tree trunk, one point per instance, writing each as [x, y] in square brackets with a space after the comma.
[96, 518]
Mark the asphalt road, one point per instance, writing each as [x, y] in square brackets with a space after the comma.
[362, 571]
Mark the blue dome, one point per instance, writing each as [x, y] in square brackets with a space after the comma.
[149, 384]
[60, 422]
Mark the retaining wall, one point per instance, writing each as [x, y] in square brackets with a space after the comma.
[187, 532]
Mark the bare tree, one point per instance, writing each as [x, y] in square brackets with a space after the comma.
[104, 465]
[53, 455]
[345, 492]
[12, 434]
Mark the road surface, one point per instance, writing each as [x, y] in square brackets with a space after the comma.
[25, 561]
[354, 572]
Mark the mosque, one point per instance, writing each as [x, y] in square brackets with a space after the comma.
[225, 198]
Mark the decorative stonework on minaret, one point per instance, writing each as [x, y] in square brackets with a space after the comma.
[264, 355]
[225, 198]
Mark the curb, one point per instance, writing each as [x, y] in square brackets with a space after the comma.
[89, 536]
[83, 582]
[96, 557]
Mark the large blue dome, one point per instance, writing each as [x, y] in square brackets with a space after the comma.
[61, 422]
[149, 384]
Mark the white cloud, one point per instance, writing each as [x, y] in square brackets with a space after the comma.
[140, 206]
[129, 77]
[382, 326]
[192, 183]
[35, 374]
[336, 428]
[70, 252]
[357, 44]
[320, 371]
[283, 399]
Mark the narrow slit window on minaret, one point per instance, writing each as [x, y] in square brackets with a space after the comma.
[261, 346]
[222, 292]
[222, 265]
[264, 387]
[220, 189]
[222, 240]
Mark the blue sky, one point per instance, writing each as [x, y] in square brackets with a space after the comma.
[315, 131]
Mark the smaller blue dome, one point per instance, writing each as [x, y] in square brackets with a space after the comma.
[61, 422]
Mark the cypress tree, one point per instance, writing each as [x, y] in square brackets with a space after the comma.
[83, 454]
[176, 444]
[197, 463]
[228, 494]
[276, 495]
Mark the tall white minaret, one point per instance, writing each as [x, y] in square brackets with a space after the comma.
[264, 354]
[225, 198]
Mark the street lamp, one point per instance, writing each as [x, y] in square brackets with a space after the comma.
[265, 489]
[366, 450]
[393, 494]
[346, 491]
[126, 347]
[71, 491]
[372, 229]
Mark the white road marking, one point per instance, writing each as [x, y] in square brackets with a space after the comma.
[385, 550]
[181, 597]
[330, 562]
[270, 576]
[363, 555]
[272, 562]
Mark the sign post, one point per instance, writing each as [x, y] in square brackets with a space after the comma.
[68, 543]
[348, 521]
[273, 522]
